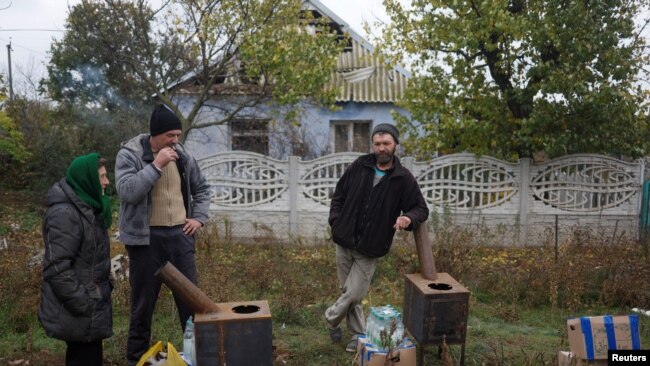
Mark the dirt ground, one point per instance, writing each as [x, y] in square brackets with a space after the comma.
[41, 358]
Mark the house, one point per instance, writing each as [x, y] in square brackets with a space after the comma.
[368, 90]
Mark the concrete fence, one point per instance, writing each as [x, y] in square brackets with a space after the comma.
[255, 196]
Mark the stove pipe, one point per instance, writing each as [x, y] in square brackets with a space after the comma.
[181, 286]
[423, 245]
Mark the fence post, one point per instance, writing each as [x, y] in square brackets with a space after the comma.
[293, 194]
[524, 192]
[407, 162]
[641, 211]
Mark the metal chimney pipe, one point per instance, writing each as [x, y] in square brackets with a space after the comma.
[423, 245]
[180, 285]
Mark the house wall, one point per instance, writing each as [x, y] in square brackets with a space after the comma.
[313, 135]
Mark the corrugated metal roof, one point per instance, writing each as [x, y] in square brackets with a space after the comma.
[361, 77]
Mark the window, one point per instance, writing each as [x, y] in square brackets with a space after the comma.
[350, 136]
[250, 135]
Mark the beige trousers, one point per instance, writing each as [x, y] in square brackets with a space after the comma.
[355, 272]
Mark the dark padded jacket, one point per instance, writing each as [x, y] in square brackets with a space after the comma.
[362, 216]
[76, 292]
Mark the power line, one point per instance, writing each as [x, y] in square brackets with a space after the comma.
[14, 44]
[31, 30]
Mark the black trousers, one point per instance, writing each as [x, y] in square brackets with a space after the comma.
[84, 354]
[166, 244]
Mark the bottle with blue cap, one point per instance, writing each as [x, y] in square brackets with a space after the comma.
[188, 342]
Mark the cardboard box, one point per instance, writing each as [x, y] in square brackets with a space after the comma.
[591, 336]
[565, 358]
[362, 340]
[404, 355]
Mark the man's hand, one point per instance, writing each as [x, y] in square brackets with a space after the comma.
[402, 223]
[165, 156]
[191, 226]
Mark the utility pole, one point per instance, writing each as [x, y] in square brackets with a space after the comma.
[11, 79]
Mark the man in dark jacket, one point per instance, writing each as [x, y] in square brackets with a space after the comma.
[164, 200]
[375, 197]
[76, 292]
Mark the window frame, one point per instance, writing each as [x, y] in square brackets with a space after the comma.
[260, 137]
[351, 126]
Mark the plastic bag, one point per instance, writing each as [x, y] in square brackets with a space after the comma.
[151, 354]
[173, 357]
[156, 356]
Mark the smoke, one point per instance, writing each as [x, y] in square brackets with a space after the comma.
[89, 84]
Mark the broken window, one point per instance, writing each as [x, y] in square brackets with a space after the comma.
[250, 135]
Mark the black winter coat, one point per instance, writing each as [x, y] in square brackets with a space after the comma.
[76, 291]
[362, 216]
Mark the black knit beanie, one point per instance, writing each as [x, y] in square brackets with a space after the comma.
[387, 128]
[163, 120]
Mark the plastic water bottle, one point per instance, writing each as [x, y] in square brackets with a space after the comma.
[381, 326]
[188, 341]
[381, 319]
[398, 336]
[370, 324]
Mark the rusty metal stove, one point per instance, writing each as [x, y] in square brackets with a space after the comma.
[240, 333]
[436, 311]
[436, 306]
[233, 333]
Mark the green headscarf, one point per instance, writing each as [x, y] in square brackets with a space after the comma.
[83, 177]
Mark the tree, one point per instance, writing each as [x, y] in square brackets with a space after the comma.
[514, 77]
[54, 135]
[12, 146]
[85, 67]
[254, 51]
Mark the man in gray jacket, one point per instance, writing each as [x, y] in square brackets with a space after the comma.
[164, 201]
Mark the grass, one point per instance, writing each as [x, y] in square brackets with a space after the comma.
[520, 296]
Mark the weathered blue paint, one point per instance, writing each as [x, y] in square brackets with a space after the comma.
[312, 131]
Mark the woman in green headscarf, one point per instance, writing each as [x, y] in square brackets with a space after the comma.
[76, 292]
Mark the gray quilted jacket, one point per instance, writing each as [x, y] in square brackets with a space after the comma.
[134, 178]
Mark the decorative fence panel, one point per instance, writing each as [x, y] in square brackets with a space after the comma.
[254, 196]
